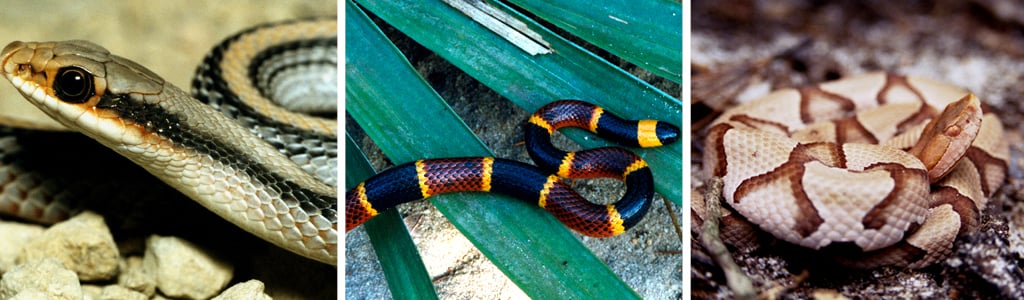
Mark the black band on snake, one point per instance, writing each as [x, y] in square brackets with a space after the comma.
[424, 178]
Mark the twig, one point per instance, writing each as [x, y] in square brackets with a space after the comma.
[738, 282]
[672, 215]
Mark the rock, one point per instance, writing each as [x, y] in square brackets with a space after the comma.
[29, 295]
[117, 292]
[83, 243]
[47, 275]
[15, 236]
[183, 270]
[134, 276]
[91, 291]
[252, 289]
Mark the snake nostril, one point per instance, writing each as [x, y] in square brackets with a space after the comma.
[73, 85]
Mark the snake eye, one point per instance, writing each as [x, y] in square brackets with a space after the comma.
[73, 85]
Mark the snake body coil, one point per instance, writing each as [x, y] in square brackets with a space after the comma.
[425, 178]
[877, 169]
[271, 172]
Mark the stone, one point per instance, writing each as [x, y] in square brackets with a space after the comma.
[29, 295]
[117, 292]
[83, 243]
[183, 270]
[91, 291]
[47, 275]
[252, 289]
[134, 276]
[15, 235]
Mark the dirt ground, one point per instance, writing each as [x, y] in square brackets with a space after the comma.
[743, 49]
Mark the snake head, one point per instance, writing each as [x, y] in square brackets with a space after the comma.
[667, 133]
[77, 83]
[947, 137]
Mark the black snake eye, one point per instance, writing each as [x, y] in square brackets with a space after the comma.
[73, 85]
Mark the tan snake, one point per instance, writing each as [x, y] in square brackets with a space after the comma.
[246, 149]
[838, 167]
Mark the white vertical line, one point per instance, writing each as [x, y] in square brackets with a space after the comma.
[687, 139]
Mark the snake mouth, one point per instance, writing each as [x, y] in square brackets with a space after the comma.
[11, 69]
[16, 60]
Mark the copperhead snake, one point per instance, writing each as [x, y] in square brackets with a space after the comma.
[857, 168]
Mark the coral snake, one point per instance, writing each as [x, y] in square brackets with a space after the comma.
[542, 185]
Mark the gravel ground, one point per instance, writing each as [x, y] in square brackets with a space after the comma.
[170, 38]
[743, 49]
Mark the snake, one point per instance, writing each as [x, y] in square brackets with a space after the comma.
[541, 184]
[255, 142]
[874, 170]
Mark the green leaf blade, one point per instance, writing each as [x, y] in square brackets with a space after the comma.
[646, 33]
[532, 81]
[402, 114]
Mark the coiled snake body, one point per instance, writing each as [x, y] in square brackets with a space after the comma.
[854, 167]
[272, 172]
[425, 178]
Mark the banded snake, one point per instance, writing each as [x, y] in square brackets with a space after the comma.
[427, 177]
[272, 173]
[838, 167]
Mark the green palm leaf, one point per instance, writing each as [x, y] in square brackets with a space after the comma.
[391, 103]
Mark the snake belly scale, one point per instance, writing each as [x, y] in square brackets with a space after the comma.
[876, 169]
[271, 172]
[540, 184]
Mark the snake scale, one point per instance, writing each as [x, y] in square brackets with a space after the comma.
[257, 144]
[876, 169]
